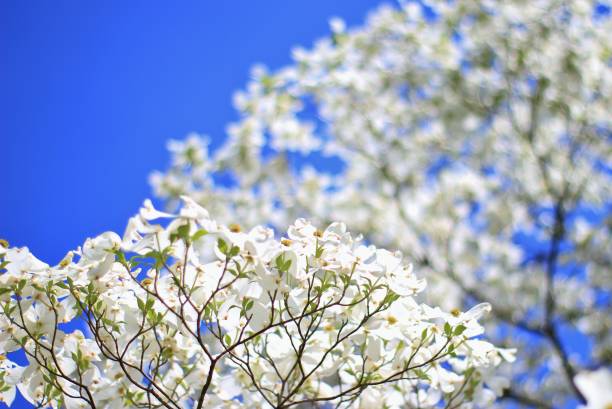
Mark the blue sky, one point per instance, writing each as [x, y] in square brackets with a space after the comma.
[91, 92]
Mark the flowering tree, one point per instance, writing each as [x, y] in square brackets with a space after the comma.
[196, 314]
[472, 135]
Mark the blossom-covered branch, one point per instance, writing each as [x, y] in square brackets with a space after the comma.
[197, 314]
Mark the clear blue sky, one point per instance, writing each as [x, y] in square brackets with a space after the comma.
[91, 92]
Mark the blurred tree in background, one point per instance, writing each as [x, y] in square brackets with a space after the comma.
[474, 136]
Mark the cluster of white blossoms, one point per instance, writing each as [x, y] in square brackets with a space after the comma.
[474, 136]
[198, 314]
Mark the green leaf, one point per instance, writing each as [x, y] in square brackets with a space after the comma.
[183, 231]
[282, 265]
[422, 375]
[222, 246]
[199, 234]
[318, 251]
[459, 329]
[121, 257]
[468, 372]
[141, 304]
[279, 262]
[234, 251]
[448, 331]
[22, 283]
[62, 284]
[151, 316]
[38, 287]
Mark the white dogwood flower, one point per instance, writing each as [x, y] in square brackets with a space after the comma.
[187, 315]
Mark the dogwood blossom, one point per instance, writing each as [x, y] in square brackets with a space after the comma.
[596, 387]
[472, 135]
[193, 313]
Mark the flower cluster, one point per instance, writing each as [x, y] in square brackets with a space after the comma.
[198, 314]
[473, 135]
